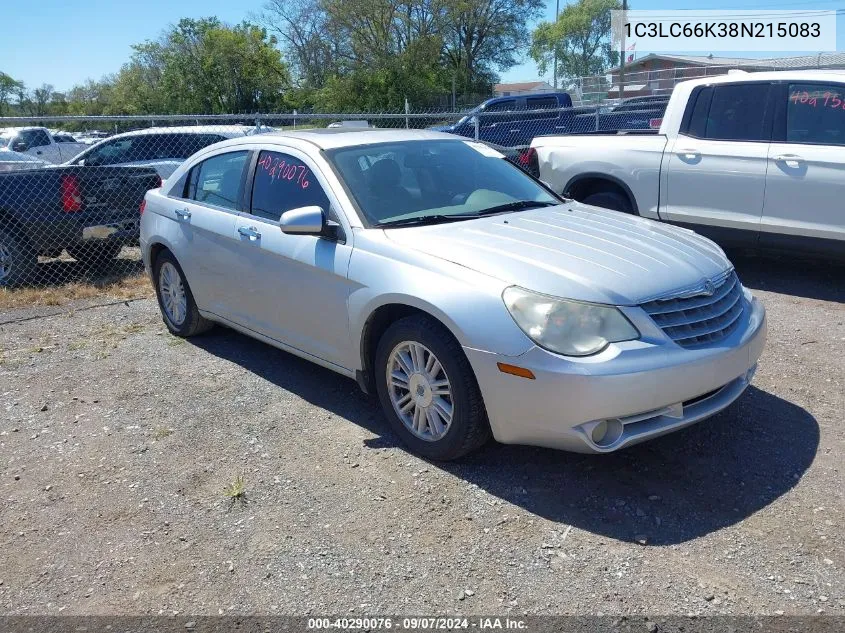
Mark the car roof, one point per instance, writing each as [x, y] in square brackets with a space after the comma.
[332, 138]
[776, 75]
[229, 131]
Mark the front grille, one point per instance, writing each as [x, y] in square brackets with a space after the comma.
[700, 320]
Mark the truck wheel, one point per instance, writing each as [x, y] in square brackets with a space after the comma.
[609, 200]
[17, 260]
[428, 390]
[95, 255]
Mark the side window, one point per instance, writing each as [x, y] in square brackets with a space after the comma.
[542, 103]
[737, 113]
[35, 138]
[111, 152]
[815, 114]
[217, 180]
[282, 183]
[697, 124]
[501, 106]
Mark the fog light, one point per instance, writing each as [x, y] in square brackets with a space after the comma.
[606, 432]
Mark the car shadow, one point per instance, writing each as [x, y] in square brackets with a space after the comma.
[814, 279]
[670, 490]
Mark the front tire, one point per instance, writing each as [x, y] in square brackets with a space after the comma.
[428, 390]
[175, 300]
[609, 200]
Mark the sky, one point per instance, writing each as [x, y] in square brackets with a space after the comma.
[93, 37]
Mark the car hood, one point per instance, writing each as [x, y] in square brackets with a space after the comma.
[575, 251]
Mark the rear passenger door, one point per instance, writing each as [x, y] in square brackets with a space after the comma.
[292, 288]
[805, 181]
[715, 172]
[205, 243]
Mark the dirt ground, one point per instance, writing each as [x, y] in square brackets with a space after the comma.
[123, 450]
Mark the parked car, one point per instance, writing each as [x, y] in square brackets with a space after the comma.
[162, 148]
[749, 159]
[13, 161]
[39, 143]
[514, 121]
[446, 280]
[89, 211]
[636, 113]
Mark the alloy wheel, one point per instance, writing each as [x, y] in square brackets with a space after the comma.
[419, 390]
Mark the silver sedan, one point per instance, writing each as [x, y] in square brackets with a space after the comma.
[472, 299]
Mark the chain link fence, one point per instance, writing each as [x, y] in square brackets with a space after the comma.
[71, 188]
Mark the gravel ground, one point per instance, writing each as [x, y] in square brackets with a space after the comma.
[119, 443]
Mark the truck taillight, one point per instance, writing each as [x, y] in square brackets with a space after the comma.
[71, 194]
[530, 162]
[142, 207]
[655, 124]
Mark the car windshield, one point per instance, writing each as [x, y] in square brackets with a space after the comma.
[427, 181]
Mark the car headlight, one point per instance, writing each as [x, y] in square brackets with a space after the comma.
[572, 328]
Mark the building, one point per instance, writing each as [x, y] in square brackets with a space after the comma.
[658, 74]
[509, 90]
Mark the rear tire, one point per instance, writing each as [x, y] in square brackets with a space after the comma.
[609, 200]
[175, 300]
[428, 390]
[17, 260]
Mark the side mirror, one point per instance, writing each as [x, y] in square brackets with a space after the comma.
[303, 221]
[19, 146]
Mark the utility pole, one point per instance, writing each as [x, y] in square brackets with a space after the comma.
[622, 54]
[557, 11]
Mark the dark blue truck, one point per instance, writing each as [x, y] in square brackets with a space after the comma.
[89, 211]
[514, 121]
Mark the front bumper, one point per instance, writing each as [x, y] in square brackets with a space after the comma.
[645, 388]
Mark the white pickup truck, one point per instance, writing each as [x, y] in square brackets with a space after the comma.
[748, 159]
[39, 143]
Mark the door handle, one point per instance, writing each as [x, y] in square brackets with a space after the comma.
[249, 231]
[791, 160]
[39, 152]
[183, 214]
[688, 153]
[513, 131]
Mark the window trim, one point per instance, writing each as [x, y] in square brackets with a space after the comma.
[779, 131]
[768, 112]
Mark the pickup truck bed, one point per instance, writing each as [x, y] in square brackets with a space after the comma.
[89, 211]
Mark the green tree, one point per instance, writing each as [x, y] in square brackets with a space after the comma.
[8, 88]
[581, 37]
[202, 67]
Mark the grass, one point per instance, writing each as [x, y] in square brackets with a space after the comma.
[236, 491]
[135, 287]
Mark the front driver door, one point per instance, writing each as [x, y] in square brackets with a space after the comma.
[293, 288]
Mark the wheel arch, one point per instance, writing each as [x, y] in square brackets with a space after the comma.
[582, 185]
[379, 319]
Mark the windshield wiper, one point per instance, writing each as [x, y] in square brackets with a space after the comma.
[423, 220]
[517, 205]
[440, 218]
